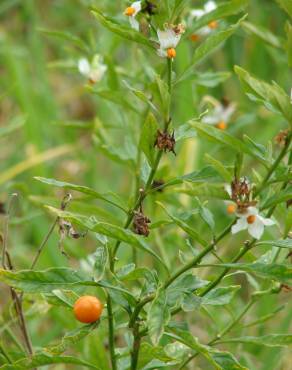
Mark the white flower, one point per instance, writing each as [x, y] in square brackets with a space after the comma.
[94, 71]
[220, 115]
[131, 12]
[198, 13]
[168, 40]
[253, 222]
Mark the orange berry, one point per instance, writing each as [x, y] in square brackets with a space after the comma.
[251, 219]
[194, 37]
[221, 125]
[129, 11]
[87, 309]
[213, 25]
[171, 53]
[231, 208]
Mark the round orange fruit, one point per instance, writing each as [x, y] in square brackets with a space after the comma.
[87, 309]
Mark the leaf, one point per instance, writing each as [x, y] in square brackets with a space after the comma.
[219, 359]
[279, 197]
[164, 95]
[220, 296]
[16, 123]
[219, 167]
[33, 161]
[184, 226]
[158, 316]
[207, 216]
[286, 243]
[116, 97]
[271, 95]
[273, 271]
[45, 281]
[101, 258]
[222, 10]
[289, 43]
[217, 297]
[148, 353]
[286, 5]
[215, 135]
[120, 29]
[67, 37]
[107, 229]
[271, 340]
[41, 359]
[70, 339]
[110, 198]
[141, 95]
[264, 34]
[210, 79]
[207, 47]
[148, 137]
[186, 284]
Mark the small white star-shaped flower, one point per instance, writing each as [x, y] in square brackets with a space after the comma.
[198, 13]
[220, 115]
[168, 40]
[253, 222]
[131, 12]
[94, 71]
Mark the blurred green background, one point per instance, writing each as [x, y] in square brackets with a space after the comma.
[52, 126]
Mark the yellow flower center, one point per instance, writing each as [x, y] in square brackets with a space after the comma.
[251, 219]
[171, 53]
[231, 208]
[129, 11]
[213, 25]
[194, 37]
[221, 125]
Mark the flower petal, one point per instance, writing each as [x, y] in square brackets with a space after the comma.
[267, 221]
[84, 66]
[137, 6]
[210, 5]
[134, 23]
[256, 229]
[241, 224]
[168, 38]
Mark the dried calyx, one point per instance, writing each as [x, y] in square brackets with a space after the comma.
[165, 141]
[241, 194]
[141, 223]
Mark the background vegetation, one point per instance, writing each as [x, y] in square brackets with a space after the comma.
[55, 125]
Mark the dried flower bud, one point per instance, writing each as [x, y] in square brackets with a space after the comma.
[165, 141]
[281, 138]
[150, 8]
[140, 224]
[157, 184]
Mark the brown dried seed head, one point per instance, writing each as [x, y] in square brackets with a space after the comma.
[140, 224]
[165, 141]
[281, 138]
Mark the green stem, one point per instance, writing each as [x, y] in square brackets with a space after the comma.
[136, 347]
[111, 332]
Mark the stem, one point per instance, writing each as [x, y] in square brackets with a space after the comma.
[5, 354]
[136, 347]
[111, 333]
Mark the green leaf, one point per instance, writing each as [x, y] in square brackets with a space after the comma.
[289, 43]
[222, 10]
[148, 137]
[164, 96]
[220, 296]
[184, 226]
[141, 95]
[219, 359]
[148, 353]
[264, 34]
[219, 136]
[279, 197]
[70, 339]
[271, 340]
[107, 229]
[101, 258]
[41, 359]
[66, 36]
[210, 79]
[286, 5]
[219, 167]
[158, 316]
[272, 95]
[273, 271]
[110, 198]
[16, 123]
[121, 30]
[116, 97]
[286, 243]
[207, 47]
[44, 281]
